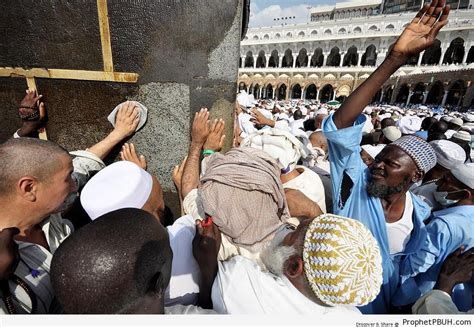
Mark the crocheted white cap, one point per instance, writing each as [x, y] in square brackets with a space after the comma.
[342, 261]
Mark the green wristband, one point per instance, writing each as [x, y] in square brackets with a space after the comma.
[208, 152]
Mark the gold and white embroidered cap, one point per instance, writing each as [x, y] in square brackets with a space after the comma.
[342, 261]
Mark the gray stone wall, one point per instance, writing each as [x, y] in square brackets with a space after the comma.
[186, 53]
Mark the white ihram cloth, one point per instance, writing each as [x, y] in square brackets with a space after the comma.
[185, 274]
[285, 148]
[34, 256]
[309, 183]
[241, 287]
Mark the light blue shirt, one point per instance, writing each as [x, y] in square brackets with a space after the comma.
[344, 155]
[447, 231]
[422, 134]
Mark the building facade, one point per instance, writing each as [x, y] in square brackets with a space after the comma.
[330, 56]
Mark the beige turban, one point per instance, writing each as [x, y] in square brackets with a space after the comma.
[242, 192]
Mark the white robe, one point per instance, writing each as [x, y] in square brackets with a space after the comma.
[241, 287]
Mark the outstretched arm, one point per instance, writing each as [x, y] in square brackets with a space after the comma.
[199, 133]
[126, 122]
[417, 36]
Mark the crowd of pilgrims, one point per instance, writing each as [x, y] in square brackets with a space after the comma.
[313, 210]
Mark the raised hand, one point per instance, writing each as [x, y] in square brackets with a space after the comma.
[178, 175]
[127, 119]
[200, 128]
[215, 139]
[457, 268]
[32, 113]
[129, 153]
[423, 29]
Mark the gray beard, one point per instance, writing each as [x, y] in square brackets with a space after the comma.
[382, 191]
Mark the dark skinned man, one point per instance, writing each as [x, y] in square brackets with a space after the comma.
[378, 196]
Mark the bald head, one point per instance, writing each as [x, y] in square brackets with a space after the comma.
[318, 140]
[113, 263]
[27, 157]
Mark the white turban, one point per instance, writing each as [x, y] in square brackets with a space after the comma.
[448, 154]
[409, 124]
[285, 148]
[121, 185]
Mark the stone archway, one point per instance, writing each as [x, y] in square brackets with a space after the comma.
[456, 93]
[403, 93]
[387, 95]
[311, 92]
[418, 93]
[261, 60]
[302, 59]
[432, 55]
[269, 92]
[334, 58]
[256, 90]
[470, 56]
[249, 60]
[296, 91]
[318, 58]
[369, 58]
[351, 58]
[273, 62]
[281, 92]
[455, 53]
[326, 94]
[436, 93]
[287, 59]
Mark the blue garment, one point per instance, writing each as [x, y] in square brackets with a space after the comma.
[447, 231]
[344, 155]
[422, 134]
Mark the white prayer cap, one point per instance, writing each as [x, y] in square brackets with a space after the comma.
[448, 154]
[457, 121]
[465, 174]
[392, 133]
[142, 114]
[304, 111]
[462, 135]
[121, 185]
[373, 150]
[409, 124]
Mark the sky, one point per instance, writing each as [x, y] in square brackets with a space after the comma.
[263, 12]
